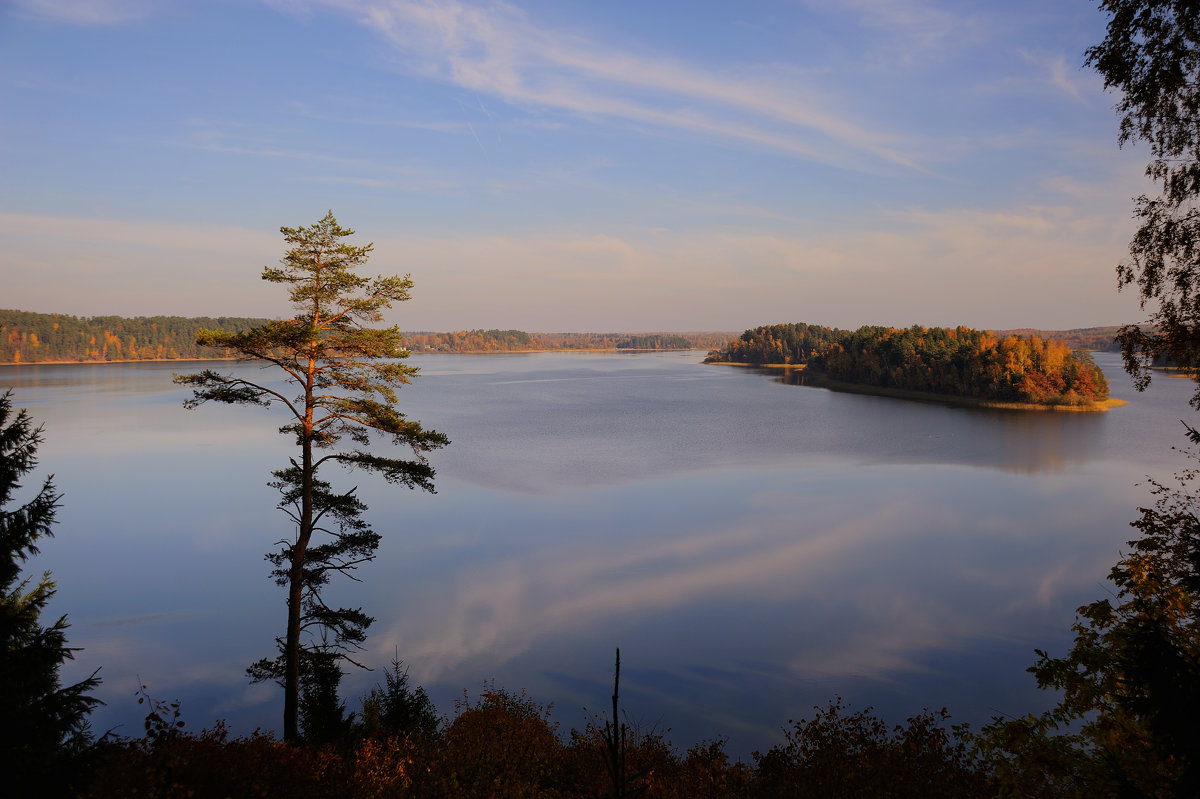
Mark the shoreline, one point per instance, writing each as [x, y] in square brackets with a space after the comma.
[820, 380]
[129, 360]
[411, 352]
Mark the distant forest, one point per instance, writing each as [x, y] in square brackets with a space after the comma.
[520, 341]
[28, 337]
[959, 362]
[1096, 339]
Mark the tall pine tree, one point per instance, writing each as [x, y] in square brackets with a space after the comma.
[342, 375]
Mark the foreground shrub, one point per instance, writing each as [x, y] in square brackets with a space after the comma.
[841, 754]
[209, 764]
[656, 770]
[503, 745]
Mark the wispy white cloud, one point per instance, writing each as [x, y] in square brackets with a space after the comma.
[155, 235]
[1045, 75]
[496, 51]
[722, 209]
[1064, 78]
[1073, 187]
[436, 126]
[39, 83]
[1052, 73]
[1009, 266]
[1004, 267]
[915, 28]
[88, 12]
[369, 183]
[250, 696]
[232, 139]
[177, 267]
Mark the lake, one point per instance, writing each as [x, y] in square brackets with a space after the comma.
[754, 548]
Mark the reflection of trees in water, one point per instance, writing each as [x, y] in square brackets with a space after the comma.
[1022, 441]
[789, 376]
[1044, 441]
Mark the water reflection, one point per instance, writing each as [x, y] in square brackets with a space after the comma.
[916, 431]
[754, 548]
[853, 575]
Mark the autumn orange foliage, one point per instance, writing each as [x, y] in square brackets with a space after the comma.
[956, 362]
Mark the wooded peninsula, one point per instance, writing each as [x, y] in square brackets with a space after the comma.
[975, 366]
[29, 337]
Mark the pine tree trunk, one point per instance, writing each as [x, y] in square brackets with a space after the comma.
[291, 687]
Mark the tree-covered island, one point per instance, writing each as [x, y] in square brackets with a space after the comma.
[959, 364]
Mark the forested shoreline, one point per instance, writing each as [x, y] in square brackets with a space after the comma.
[521, 341]
[31, 337]
[960, 362]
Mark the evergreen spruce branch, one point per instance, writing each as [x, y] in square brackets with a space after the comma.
[21, 527]
[18, 446]
[45, 723]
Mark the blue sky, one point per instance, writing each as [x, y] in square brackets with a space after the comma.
[570, 166]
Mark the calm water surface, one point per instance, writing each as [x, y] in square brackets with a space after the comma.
[754, 548]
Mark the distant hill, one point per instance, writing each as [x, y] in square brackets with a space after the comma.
[1095, 339]
[29, 337]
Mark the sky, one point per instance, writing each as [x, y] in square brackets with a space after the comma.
[559, 165]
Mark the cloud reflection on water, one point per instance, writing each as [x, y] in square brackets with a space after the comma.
[753, 548]
[861, 570]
